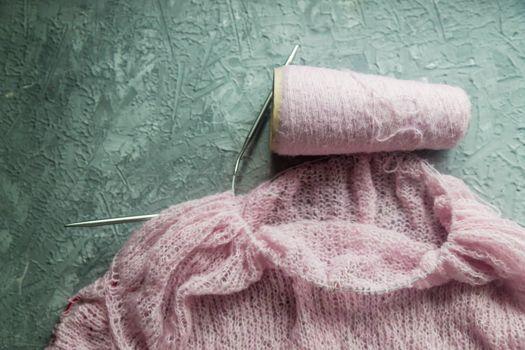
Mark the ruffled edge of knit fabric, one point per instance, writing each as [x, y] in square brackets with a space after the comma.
[480, 246]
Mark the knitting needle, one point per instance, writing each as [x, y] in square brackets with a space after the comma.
[249, 138]
[257, 125]
[112, 221]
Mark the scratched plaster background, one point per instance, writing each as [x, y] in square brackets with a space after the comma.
[113, 107]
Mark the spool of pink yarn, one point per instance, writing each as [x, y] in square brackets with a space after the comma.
[321, 111]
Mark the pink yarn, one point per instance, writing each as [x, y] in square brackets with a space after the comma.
[325, 111]
[354, 252]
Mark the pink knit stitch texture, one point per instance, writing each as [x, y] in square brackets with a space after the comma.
[326, 111]
[354, 252]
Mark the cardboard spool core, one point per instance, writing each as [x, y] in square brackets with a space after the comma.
[275, 121]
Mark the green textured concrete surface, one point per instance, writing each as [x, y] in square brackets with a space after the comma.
[112, 107]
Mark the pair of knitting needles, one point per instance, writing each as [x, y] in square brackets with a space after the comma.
[258, 123]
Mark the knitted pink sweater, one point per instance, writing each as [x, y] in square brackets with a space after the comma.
[354, 252]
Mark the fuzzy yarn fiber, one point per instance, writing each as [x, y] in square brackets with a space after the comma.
[318, 111]
[354, 252]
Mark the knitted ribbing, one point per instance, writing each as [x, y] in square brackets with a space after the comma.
[353, 252]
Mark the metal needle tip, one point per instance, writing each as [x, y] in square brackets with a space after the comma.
[122, 220]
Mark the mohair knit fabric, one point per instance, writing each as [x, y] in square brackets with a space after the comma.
[353, 252]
